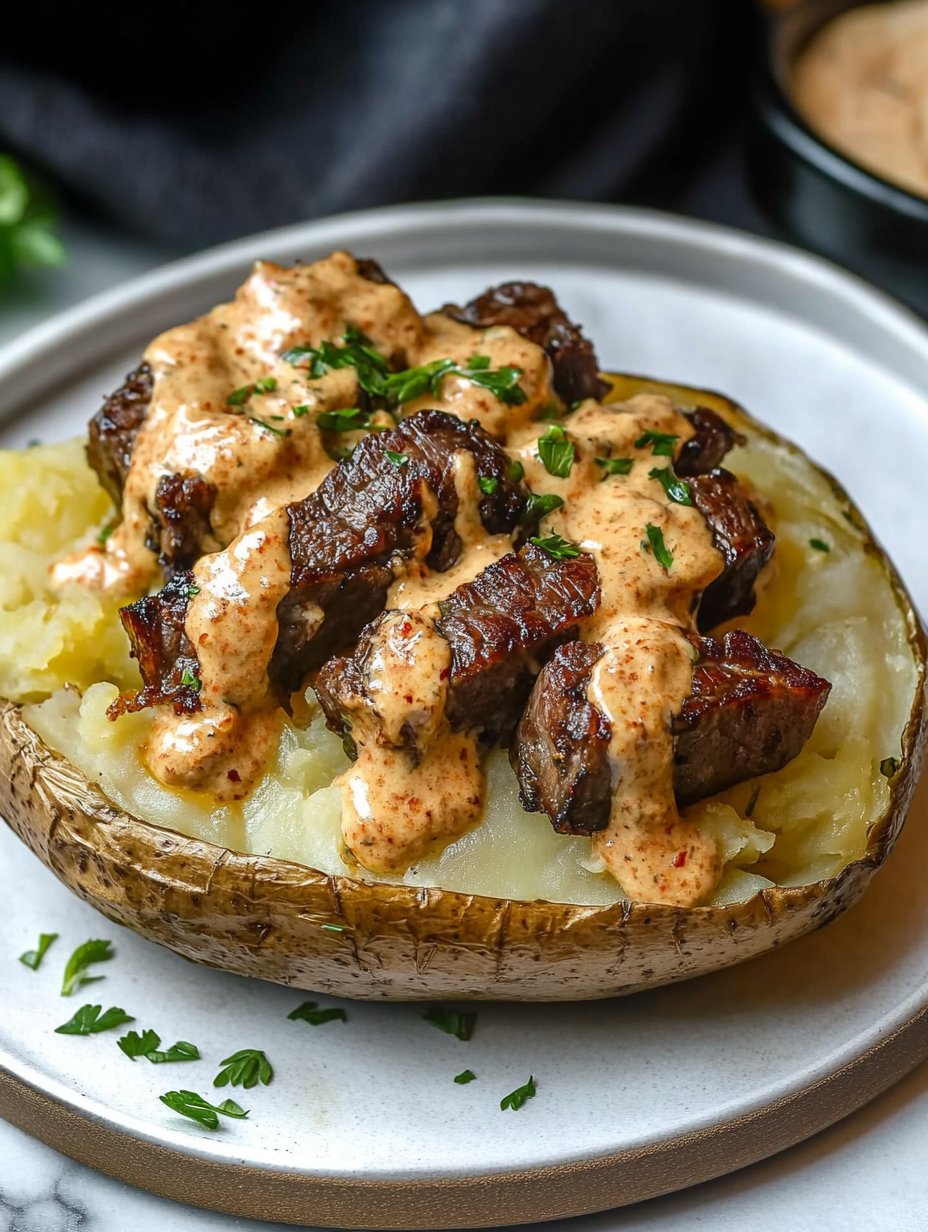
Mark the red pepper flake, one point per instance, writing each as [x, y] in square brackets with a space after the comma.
[679, 859]
[234, 777]
[407, 697]
[444, 673]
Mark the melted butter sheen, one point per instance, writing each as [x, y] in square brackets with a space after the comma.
[415, 785]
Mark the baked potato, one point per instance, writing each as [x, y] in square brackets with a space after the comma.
[402, 936]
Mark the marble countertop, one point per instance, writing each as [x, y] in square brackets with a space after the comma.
[868, 1172]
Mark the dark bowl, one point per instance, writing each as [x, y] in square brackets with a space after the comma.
[821, 197]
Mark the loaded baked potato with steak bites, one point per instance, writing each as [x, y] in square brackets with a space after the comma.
[457, 667]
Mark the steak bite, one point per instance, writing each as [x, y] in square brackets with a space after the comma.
[711, 441]
[368, 514]
[750, 711]
[112, 431]
[560, 751]
[395, 496]
[181, 530]
[167, 661]
[744, 540]
[500, 628]
[533, 312]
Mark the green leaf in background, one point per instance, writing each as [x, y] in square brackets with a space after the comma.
[27, 223]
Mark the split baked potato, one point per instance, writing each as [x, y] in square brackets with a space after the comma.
[280, 920]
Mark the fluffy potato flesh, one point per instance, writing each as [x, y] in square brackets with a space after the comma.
[832, 610]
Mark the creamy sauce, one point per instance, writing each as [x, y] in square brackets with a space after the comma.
[646, 673]
[862, 84]
[416, 785]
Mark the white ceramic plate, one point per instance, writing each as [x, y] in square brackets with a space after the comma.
[363, 1125]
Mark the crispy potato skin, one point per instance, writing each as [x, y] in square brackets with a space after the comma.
[263, 917]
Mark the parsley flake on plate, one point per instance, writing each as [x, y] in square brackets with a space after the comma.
[245, 1069]
[310, 1012]
[75, 977]
[89, 1020]
[459, 1023]
[517, 1098]
[189, 1104]
[33, 958]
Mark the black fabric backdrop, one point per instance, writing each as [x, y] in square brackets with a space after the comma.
[193, 124]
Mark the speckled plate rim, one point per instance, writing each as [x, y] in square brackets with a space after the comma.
[779, 1116]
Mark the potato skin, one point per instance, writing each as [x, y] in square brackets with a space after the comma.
[263, 917]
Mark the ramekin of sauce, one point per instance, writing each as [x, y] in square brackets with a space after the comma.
[839, 158]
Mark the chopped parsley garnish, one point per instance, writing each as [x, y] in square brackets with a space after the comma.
[487, 484]
[300, 411]
[615, 466]
[556, 451]
[661, 443]
[662, 553]
[752, 803]
[90, 1021]
[820, 545]
[189, 1104]
[105, 533]
[346, 420]
[310, 1012]
[398, 459]
[191, 681]
[459, 1023]
[550, 410]
[537, 504]
[80, 960]
[33, 958]
[677, 489]
[357, 353]
[243, 395]
[516, 472]
[181, 1051]
[262, 423]
[464, 1077]
[395, 388]
[889, 766]
[245, 1069]
[515, 1099]
[192, 590]
[148, 1045]
[135, 1045]
[554, 545]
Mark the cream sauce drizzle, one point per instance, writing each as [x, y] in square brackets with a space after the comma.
[646, 673]
[400, 803]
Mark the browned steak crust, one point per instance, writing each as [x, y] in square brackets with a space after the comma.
[167, 660]
[112, 431]
[744, 540]
[343, 537]
[711, 440]
[501, 627]
[370, 510]
[750, 711]
[180, 526]
[534, 312]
